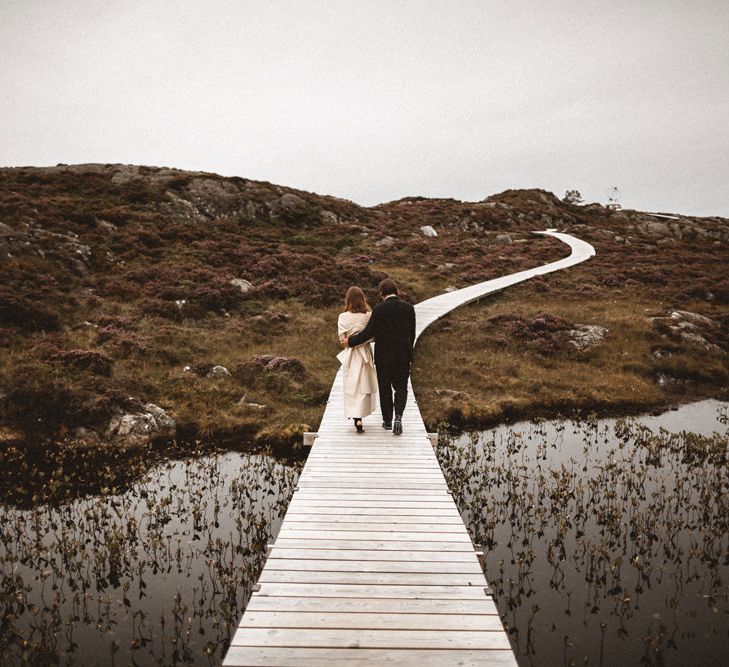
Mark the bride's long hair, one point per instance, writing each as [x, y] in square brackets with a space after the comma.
[356, 301]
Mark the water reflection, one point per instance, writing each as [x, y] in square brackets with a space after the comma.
[157, 574]
[606, 541]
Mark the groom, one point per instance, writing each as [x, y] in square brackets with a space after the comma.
[392, 325]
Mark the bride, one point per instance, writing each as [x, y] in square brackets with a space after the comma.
[360, 379]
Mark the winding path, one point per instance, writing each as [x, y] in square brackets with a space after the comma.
[373, 563]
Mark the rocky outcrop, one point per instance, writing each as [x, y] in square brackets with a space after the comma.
[138, 428]
[242, 284]
[586, 336]
[291, 209]
[682, 229]
[218, 372]
[544, 333]
[683, 326]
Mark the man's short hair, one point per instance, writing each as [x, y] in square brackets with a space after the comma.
[388, 286]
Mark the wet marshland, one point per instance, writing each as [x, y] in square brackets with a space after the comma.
[156, 570]
[606, 541]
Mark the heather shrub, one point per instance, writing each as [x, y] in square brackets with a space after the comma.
[159, 308]
[277, 374]
[267, 324]
[86, 360]
[37, 404]
[26, 313]
[544, 333]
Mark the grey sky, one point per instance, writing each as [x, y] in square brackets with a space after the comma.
[373, 101]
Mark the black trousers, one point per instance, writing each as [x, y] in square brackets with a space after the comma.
[393, 377]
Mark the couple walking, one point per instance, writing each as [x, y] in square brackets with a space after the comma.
[392, 326]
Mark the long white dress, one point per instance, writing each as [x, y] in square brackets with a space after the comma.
[360, 378]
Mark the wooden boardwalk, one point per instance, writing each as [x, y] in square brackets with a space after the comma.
[373, 563]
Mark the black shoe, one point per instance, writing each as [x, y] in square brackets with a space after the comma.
[387, 425]
[358, 425]
[397, 426]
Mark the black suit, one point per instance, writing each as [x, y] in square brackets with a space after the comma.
[392, 325]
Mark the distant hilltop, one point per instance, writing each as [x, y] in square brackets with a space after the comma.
[201, 196]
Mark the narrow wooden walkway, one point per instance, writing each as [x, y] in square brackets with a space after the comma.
[373, 563]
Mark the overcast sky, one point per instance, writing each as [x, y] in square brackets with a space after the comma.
[373, 101]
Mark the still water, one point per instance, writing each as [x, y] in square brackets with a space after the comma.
[606, 541]
[158, 573]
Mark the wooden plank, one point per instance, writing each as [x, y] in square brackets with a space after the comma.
[372, 591]
[372, 481]
[316, 657]
[372, 578]
[395, 466]
[324, 638]
[379, 495]
[367, 457]
[375, 535]
[303, 503]
[426, 481]
[439, 492]
[349, 511]
[478, 606]
[422, 555]
[376, 545]
[369, 621]
[379, 473]
[380, 519]
[390, 465]
[301, 565]
[405, 444]
[379, 526]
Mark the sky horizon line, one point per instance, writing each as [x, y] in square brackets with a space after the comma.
[585, 201]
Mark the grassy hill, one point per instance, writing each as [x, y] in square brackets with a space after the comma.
[122, 286]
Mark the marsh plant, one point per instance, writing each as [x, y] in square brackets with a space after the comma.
[157, 572]
[606, 541]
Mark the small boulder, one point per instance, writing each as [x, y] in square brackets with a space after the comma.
[700, 341]
[656, 229]
[693, 318]
[290, 201]
[427, 230]
[503, 239]
[161, 418]
[245, 403]
[329, 218]
[218, 372]
[587, 336]
[385, 241]
[242, 284]
[293, 210]
[139, 427]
